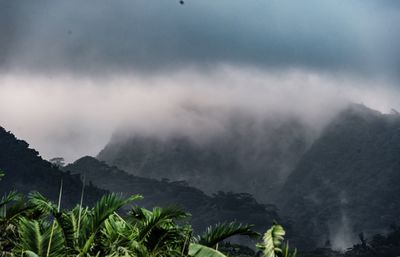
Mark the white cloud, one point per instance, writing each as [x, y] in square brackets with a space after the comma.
[74, 116]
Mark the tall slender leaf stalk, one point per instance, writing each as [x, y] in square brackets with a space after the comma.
[81, 203]
[54, 222]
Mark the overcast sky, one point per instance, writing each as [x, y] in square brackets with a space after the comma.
[73, 71]
[121, 35]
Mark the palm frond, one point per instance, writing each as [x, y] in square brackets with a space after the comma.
[104, 208]
[34, 238]
[10, 211]
[16, 210]
[30, 236]
[54, 241]
[42, 204]
[10, 197]
[107, 205]
[68, 222]
[158, 217]
[219, 232]
[138, 214]
[117, 237]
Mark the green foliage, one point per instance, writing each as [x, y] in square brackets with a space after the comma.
[93, 221]
[205, 209]
[10, 197]
[41, 229]
[220, 232]
[161, 223]
[40, 238]
[198, 250]
[273, 245]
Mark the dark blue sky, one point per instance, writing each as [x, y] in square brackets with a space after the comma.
[102, 36]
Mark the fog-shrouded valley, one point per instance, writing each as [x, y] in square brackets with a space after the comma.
[199, 128]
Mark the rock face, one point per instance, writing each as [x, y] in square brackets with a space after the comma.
[205, 209]
[26, 171]
[248, 156]
[348, 181]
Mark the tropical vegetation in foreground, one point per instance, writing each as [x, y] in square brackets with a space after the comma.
[36, 227]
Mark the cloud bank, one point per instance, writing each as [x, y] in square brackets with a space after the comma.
[74, 116]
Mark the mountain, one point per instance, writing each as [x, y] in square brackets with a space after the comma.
[26, 171]
[205, 209]
[246, 156]
[348, 181]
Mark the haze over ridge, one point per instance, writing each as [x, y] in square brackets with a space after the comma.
[73, 72]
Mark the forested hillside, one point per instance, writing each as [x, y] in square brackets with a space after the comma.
[26, 171]
[205, 209]
[347, 182]
[248, 155]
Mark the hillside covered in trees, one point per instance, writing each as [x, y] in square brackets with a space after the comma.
[247, 155]
[347, 183]
[26, 171]
[205, 209]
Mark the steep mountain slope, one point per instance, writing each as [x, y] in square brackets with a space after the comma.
[205, 209]
[348, 182]
[26, 171]
[247, 156]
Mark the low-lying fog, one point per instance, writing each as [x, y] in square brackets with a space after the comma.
[74, 116]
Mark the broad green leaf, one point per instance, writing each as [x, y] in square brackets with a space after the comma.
[197, 250]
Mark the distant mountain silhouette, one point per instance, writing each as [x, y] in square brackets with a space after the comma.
[248, 156]
[348, 181]
[205, 209]
[26, 171]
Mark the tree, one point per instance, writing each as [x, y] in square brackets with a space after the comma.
[58, 161]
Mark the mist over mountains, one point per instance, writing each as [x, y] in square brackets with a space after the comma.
[247, 155]
[347, 182]
[330, 185]
[334, 184]
[85, 112]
